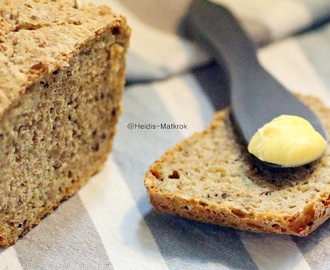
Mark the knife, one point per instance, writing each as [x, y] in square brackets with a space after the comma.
[256, 97]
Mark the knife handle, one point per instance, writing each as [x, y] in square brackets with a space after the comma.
[220, 32]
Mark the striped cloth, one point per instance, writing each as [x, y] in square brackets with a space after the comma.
[110, 224]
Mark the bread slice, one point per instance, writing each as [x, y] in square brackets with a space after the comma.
[210, 177]
[61, 80]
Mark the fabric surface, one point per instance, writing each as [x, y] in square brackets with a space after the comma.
[110, 223]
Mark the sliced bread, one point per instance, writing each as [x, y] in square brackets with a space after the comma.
[210, 177]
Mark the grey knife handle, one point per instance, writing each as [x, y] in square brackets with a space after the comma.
[223, 37]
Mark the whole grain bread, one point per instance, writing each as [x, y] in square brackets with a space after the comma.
[210, 177]
[62, 74]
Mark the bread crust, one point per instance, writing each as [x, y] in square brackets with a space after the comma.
[197, 206]
[40, 37]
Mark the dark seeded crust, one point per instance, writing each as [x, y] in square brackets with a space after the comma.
[60, 98]
[211, 178]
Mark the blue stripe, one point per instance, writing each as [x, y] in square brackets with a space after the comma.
[315, 247]
[316, 48]
[214, 85]
[184, 244]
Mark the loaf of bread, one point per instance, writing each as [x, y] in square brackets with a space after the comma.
[61, 80]
[210, 177]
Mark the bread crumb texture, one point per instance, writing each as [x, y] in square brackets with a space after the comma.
[210, 177]
[61, 79]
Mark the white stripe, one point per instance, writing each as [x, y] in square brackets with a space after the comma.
[181, 103]
[286, 17]
[9, 260]
[280, 17]
[274, 252]
[287, 62]
[216, 266]
[125, 236]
